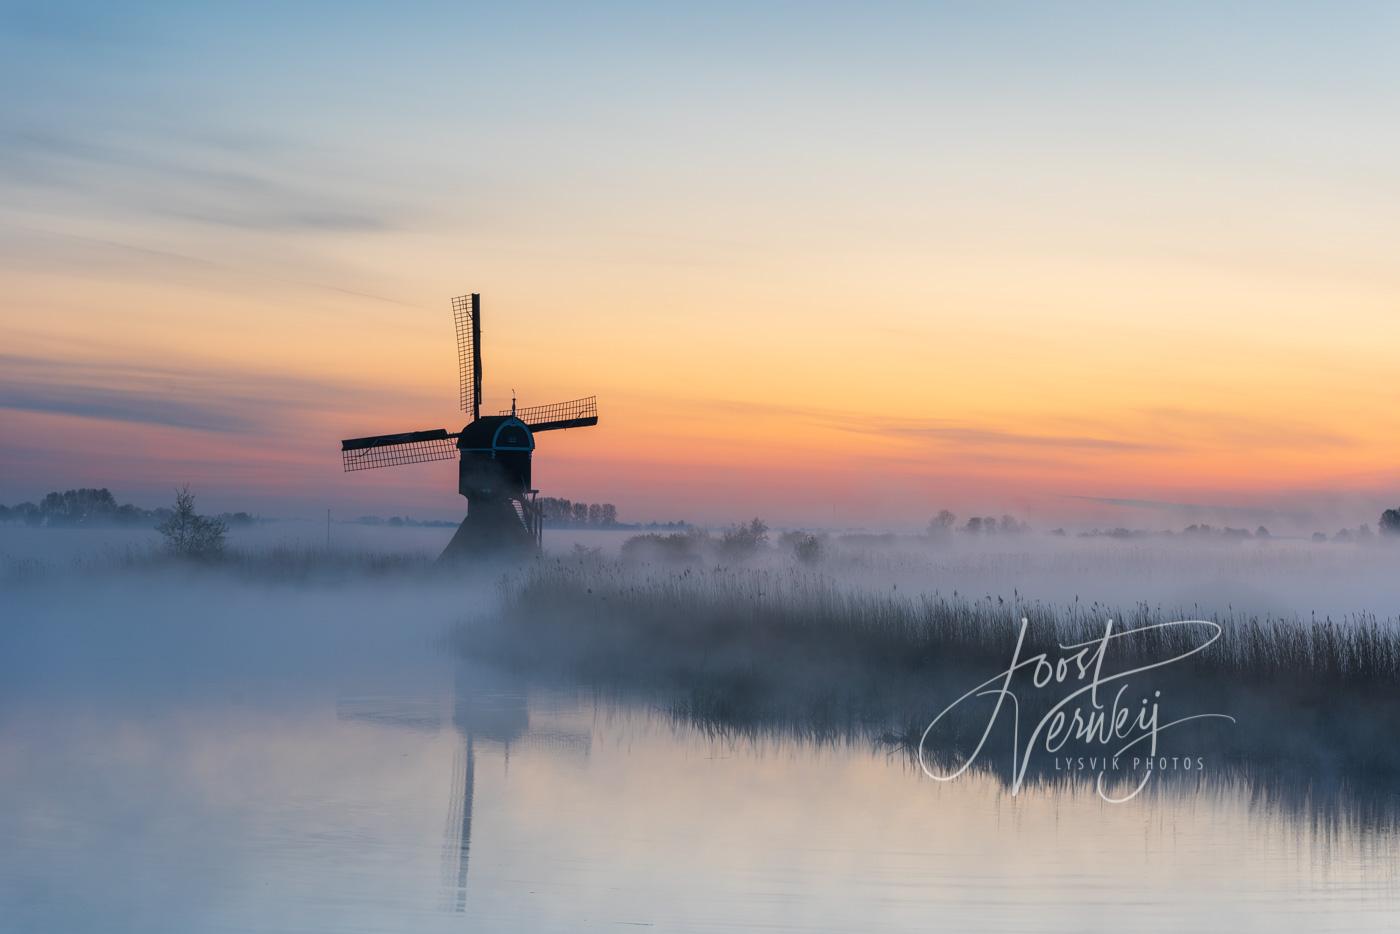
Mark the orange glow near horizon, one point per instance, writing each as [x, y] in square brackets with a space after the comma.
[727, 405]
[992, 282]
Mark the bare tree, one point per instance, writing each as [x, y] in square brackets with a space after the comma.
[190, 535]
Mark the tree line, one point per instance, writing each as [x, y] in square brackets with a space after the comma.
[945, 522]
[96, 507]
[563, 512]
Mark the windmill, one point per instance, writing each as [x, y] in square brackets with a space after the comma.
[494, 451]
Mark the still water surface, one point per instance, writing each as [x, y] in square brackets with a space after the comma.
[267, 759]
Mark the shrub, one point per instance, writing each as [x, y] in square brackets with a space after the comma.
[744, 539]
[678, 546]
[805, 546]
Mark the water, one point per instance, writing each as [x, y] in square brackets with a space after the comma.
[222, 756]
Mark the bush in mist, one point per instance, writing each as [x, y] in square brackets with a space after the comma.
[736, 543]
[804, 546]
[682, 547]
[941, 524]
[743, 540]
[1390, 522]
[190, 535]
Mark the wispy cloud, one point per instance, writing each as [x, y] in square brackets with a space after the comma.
[124, 405]
[200, 188]
[181, 259]
[1236, 429]
[1153, 430]
[962, 434]
[171, 396]
[994, 437]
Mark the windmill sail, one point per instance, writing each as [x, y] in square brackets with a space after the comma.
[466, 315]
[579, 413]
[410, 447]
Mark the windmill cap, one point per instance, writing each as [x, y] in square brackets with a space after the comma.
[496, 433]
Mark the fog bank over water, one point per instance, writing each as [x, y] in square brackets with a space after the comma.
[1278, 577]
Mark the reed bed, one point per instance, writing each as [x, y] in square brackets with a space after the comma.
[784, 651]
[791, 610]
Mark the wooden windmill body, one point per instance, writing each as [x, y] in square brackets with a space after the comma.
[495, 452]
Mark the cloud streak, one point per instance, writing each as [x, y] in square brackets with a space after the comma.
[125, 406]
[205, 400]
[180, 189]
[993, 437]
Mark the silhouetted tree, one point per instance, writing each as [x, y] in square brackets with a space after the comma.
[190, 535]
[556, 510]
[78, 507]
[86, 507]
[1390, 522]
[580, 513]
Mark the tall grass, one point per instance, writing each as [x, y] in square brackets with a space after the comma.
[794, 609]
[763, 651]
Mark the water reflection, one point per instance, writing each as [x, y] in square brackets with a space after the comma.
[458, 844]
[491, 706]
[360, 790]
[484, 703]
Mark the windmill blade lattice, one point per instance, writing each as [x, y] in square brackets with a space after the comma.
[466, 315]
[411, 447]
[577, 413]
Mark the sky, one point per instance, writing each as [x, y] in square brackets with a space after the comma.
[833, 265]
